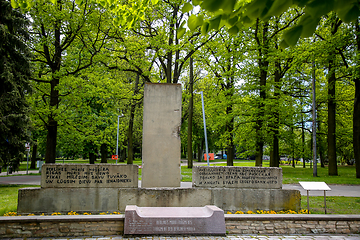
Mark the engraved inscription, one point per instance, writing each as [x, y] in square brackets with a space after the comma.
[184, 220]
[255, 177]
[88, 175]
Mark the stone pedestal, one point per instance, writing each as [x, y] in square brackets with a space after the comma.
[161, 136]
[208, 220]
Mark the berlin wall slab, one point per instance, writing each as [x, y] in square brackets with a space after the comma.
[237, 177]
[207, 220]
[161, 135]
[89, 176]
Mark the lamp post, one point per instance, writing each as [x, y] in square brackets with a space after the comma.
[314, 122]
[117, 138]
[206, 143]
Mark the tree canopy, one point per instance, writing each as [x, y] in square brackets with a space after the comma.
[253, 60]
[14, 84]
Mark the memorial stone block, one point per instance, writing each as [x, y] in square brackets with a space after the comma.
[237, 177]
[207, 220]
[161, 136]
[89, 176]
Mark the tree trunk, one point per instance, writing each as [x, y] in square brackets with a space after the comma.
[92, 158]
[131, 123]
[356, 127]
[263, 65]
[320, 146]
[356, 114]
[190, 119]
[199, 150]
[332, 104]
[230, 123]
[293, 147]
[103, 151]
[33, 156]
[230, 145]
[51, 139]
[274, 155]
[331, 121]
[275, 158]
[130, 159]
[303, 140]
[123, 152]
[50, 153]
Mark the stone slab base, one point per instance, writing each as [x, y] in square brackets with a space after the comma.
[97, 200]
[63, 200]
[208, 220]
[228, 199]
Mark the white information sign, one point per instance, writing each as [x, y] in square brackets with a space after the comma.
[315, 186]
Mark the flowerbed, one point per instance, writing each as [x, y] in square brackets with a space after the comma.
[10, 214]
[303, 211]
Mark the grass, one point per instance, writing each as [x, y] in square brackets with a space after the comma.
[334, 205]
[9, 197]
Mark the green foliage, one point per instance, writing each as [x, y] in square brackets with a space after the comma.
[244, 13]
[255, 92]
[14, 85]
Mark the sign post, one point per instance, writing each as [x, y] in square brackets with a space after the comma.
[315, 186]
[27, 146]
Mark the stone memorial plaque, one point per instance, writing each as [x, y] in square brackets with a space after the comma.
[89, 176]
[207, 220]
[237, 177]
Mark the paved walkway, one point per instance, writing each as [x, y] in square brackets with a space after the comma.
[229, 237]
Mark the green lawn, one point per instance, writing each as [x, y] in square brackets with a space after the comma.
[334, 205]
[9, 197]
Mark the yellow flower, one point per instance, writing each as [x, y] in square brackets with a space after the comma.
[10, 214]
[72, 213]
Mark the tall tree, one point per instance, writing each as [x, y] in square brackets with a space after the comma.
[335, 23]
[356, 113]
[66, 38]
[222, 58]
[191, 112]
[14, 84]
